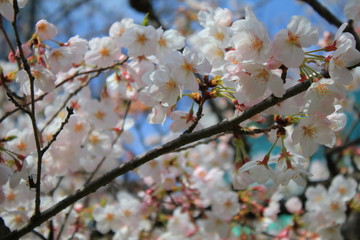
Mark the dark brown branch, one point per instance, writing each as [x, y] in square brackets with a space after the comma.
[70, 112]
[225, 126]
[32, 112]
[324, 12]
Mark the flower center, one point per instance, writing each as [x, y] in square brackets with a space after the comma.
[142, 39]
[162, 42]
[219, 36]
[170, 85]
[188, 67]
[309, 131]
[322, 90]
[293, 39]
[256, 44]
[21, 146]
[94, 139]
[104, 52]
[99, 115]
[342, 190]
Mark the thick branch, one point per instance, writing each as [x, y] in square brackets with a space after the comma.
[324, 12]
[225, 126]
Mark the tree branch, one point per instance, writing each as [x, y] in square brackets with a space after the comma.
[32, 114]
[225, 126]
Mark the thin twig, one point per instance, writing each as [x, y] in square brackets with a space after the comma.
[190, 146]
[39, 235]
[128, 105]
[9, 43]
[16, 103]
[66, 101]
[70, 111]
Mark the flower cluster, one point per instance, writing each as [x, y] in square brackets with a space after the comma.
[57, 137]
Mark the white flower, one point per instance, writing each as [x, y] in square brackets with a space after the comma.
[103, 52]
[45, 30]
[343, 188]
[60, 59]
[255, 79]
[186, 65]
[241, 180]
[259, 171]
[316, 196]
[140, 40]
[44, 79]
[163, 86]
[180, 223]
[290, 167]
[223, 17]
[117, 29]
[293, 205]
[158, 114]
[100, 114]
[345, 56]
[24, 142]
[78, 47]
[334, 210]
[182, 120]
[226, 205]
[321, 96]
[167, 41]
[312, 131]
[98, 143]
[107, 218]
[250, 38]
[288, 44]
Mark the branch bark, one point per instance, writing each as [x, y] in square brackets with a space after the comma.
[222, 127]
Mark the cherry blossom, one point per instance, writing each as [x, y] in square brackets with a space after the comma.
[118, 28]
[345, 56]
[103, 52]
[163, 86]
[206, 183]
[343, 188]
[45, 30]
[288, 44]
[226, 205]
[60, 59]
[250, 38]
[107, 218]
[312, 131]
[44, 79]
[140, 40]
